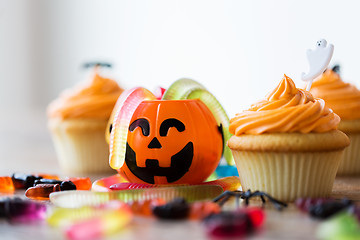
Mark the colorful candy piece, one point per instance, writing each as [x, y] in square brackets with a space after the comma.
[46, 181]
[126, 106]
[322, 208]
[145, 207]
[226, 171]
[175, 209]
[18, 210]
[159, 93]
[227, 183]
[81, 183]
[47, 176]
[180, 88]
[6, 185]
[60, 217]
[107, 223]
[343, 226]
[234, 224]
[23, 181]
[73, 199]
[42, 191]
[200, 210]
[103, 184]
[91, 222]
[117, 182]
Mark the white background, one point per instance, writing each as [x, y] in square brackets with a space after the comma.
[238, 49]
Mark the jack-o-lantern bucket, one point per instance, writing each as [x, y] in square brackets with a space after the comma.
[172, 141]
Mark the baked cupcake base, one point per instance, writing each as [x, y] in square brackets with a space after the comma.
[80, 145]
[289, 165]
[350, 164]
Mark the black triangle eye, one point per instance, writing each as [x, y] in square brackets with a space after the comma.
[143, 124]
[110, 128]
[168, 123]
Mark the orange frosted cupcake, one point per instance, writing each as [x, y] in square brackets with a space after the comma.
[287, 144]
[78, 119]
[344, 99]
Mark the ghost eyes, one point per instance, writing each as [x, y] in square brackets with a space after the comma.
[164, 127]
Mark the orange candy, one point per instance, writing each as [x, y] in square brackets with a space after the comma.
[6, 185]
[81, 183]
[200, 210]
[47, 176]
[145, 207]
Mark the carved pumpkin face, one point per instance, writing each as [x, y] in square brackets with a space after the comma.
[175, 141]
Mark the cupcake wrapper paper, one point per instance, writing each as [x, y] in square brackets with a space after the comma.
[350, 164]
[290, 175]
[81, 151]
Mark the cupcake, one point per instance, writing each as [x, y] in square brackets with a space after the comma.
[344, 99]
[287, 144]
[77, 121]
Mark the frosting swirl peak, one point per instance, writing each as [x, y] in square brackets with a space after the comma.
[285, 109]
[343, 98]
[93, 99]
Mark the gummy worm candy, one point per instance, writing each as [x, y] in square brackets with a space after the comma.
[73, 199]
[227, 183]
[128, 102]
[91, 222]
[118, 182]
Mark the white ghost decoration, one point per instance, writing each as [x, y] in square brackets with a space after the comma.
[319, 60]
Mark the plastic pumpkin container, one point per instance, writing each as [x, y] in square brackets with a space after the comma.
[172, 142]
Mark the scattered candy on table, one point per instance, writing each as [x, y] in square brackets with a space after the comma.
[38, 187]
[179, 208]
[227, 183]
[91, 222]
[41, 191]
[342, 226]
[322, 208]
[73, 199]
[6, 185]
[145, 207]
[235, 223]
[81, 183]
[19, 210]
[24, 181]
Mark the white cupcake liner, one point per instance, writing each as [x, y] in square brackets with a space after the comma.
[81, 147]
[288, 175]
[350, 164]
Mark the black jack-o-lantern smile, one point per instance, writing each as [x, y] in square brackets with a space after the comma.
[180, 161]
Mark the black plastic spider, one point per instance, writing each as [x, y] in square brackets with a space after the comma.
[225, 196]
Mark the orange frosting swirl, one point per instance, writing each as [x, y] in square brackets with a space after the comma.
[286, 109]
[343, 98]
[93, 99]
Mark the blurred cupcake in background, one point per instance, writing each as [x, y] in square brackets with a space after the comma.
[287, 144]
[77, 121]
[344, 99]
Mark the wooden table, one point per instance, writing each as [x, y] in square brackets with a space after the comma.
[25, 146]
